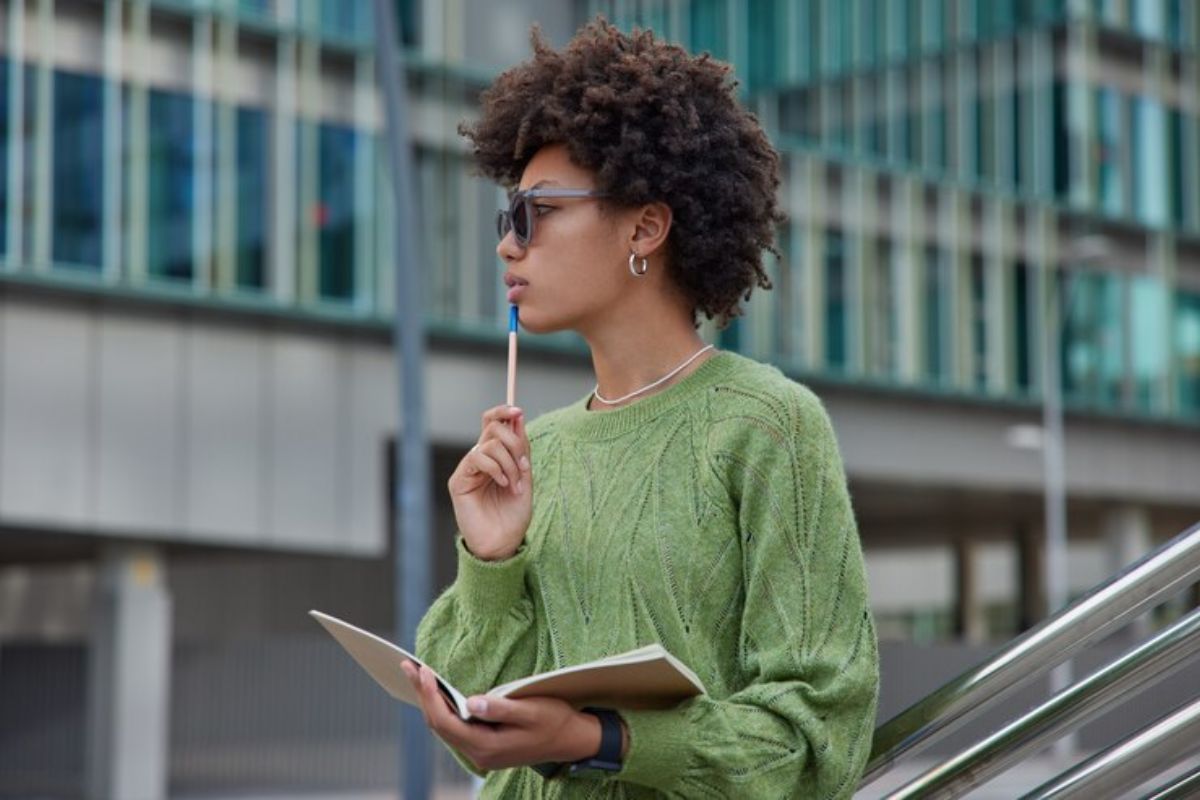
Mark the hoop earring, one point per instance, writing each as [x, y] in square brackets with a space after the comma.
[633, 270]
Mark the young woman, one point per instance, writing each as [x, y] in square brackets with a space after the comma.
[694, 498]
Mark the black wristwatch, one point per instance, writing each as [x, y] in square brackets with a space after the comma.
[606, 760]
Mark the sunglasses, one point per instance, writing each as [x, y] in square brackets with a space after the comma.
[521, 212]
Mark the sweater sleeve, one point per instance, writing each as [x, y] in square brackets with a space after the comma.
[801, 724]
[480, 631]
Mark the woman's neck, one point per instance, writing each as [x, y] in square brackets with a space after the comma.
[626, 358]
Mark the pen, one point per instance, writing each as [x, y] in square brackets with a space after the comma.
[512, 355]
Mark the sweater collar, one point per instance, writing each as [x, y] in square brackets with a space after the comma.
[578, 422]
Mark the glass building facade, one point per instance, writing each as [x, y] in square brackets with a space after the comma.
[942, 159]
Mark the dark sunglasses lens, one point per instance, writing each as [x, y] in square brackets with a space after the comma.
[502, 225]
[519, 213]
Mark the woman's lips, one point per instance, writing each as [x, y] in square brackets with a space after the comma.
[514, 292]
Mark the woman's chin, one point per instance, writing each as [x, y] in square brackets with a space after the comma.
[534, 323]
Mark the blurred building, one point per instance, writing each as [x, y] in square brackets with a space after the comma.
[197, 392]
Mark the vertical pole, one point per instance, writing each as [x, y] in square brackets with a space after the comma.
[412, 546]
[1054, 477]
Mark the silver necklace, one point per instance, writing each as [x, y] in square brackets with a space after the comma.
[648, 387]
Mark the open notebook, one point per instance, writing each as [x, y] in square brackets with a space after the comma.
[646, 678]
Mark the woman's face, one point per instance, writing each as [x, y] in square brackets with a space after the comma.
[574, 268]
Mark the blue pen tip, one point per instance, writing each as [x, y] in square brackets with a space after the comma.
[512, 319]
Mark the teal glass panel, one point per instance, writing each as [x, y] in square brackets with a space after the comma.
[1179, 30]
[983, 109]
[1108, 12]
[936, 291]
[1060, 142]
[882, 325]
[1149, 18]
[253, 158]
[172, 170]
[798, 114]
[1109, 178]
[439, 173]
[933, 24]
[872, 33]
[4, 139]
[911, 117]
[1175, 169]
[1003, 16]
[935, 122]
[874, 119]
[1022, 327]
[340, 19]
[1150, 350]
[1017, 99]
[1093, 343]
[1187, 352]
[979, 322]
[837, 312]
[1148, 149]
[77, 218]
[408, 18]
[708, 23]
[764, 56]
[336, 212]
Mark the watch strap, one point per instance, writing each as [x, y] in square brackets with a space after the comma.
[608, 757]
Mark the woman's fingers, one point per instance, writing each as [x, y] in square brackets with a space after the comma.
[506, 454]
[484, 459]
[500, 414]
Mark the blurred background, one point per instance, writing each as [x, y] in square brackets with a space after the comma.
[198, 393]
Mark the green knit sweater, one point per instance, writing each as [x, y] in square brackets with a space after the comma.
[713, 518]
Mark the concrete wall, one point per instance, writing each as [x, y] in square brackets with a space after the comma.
[173, 427]
[185, 425]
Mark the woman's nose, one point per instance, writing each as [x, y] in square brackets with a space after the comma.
[508, 249]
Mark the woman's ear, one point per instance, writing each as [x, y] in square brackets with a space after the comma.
[651, 226]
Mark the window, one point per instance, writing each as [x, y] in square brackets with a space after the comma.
[1149, 350]
[343, 20]
[1187, 352]
[1060, 143]
[937, 315]
[1024, 318]
[1175, 169]
[983, 104]
[707, 26]
[336, 211]
[1148, 151]
[77, 217]
[881, 322]
[979, 322]
[252, 182]
[763, 55]
[439, 172]
[1109, 180]
[172, 167]
[408, 18]
[1093, 347]
[837, 314]
[1148, 18]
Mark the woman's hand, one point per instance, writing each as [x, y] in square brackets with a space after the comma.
[492, 487]
[517, 733]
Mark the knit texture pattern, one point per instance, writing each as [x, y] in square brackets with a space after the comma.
[713, 518]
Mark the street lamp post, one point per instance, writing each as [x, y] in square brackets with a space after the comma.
[410, 543]
[1087, 249]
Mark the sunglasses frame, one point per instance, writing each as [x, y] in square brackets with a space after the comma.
[504, 217]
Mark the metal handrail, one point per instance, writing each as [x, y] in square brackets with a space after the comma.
[1183, 787]
[1067, 710]
[1112, 604]
[1127, 763]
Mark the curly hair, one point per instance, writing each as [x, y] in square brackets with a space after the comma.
[654, 124]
